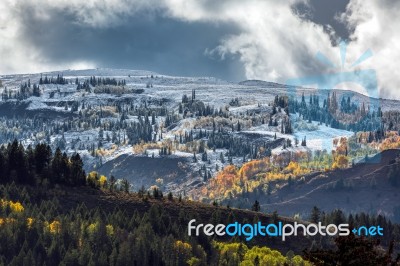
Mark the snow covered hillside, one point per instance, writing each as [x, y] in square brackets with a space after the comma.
[116, 119]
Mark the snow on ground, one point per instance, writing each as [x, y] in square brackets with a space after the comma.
[252, 95]
[210, 90]
[125, 149]
[34, 105]
[265, 108]
[319, 139]
[322, 138]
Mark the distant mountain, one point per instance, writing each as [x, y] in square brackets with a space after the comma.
[262, 83]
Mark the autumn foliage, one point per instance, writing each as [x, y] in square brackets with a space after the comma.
[391, 141]
[15, 207]
[240, 254]
[232, 181]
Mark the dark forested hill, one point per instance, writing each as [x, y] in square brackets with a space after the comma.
[52, 213]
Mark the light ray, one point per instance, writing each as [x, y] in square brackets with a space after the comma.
[323, 59]
[343, 49]
[362, 58]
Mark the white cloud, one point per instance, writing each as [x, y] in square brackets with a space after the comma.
[273, 44]
[19, 56]
[375, 25]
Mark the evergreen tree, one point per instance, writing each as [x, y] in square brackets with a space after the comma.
[315, 215]
[256, 206]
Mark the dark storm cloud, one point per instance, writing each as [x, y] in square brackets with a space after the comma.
[231, 39]
[171, 38]
[326, 12]
[148, 41]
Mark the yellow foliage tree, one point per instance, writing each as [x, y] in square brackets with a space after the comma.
[16, 207]
[3, 203]
[55, 227]
[92, 228]
[340, 161]
[29, 222]
[250, 169]
[232, 181]
[110, 229]
[103, 181]
[240, 254]
[183, 251]
[391, 141]
[93, 177]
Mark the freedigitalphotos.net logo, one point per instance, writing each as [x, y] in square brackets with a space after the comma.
[249, 231]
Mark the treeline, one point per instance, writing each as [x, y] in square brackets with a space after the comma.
[94, 82]
[60, 80]
[39, 166]
[25, 91]
[239, 146]
[104, 81]
[344, 115]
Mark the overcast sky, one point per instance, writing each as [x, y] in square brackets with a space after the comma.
[229, 39]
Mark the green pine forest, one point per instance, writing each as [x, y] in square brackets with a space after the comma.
[53, 213]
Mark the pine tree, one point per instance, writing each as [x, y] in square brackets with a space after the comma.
[112, 183]
[256, 206]
[315, 215]
[204, 157]
[125, 185]
[170, 196]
